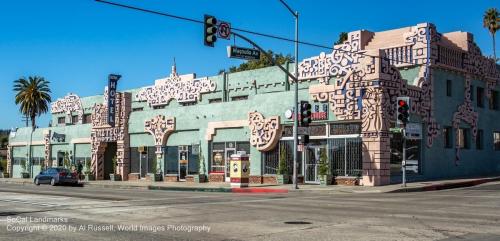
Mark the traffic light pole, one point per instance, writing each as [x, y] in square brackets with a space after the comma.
[296, 95]
[296, 101]
[403, 162]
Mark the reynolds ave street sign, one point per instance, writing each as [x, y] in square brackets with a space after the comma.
[242, 53]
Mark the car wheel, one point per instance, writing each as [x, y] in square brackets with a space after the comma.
[37, 182]
[53, 182]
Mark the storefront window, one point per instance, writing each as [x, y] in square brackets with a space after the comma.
[171, 160]
[413, 157]
[222, 151]
[271, 158]
[218, 160]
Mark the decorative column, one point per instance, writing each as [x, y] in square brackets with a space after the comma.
[9, 160]
[160, 127]
[47, 153]
[376, 149]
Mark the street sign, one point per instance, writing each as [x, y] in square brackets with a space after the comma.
[242, 53]
[303, 130]
[300, 148]
[395, 130]
[224, 30]
[413, 131]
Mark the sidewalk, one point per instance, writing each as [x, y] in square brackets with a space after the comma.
[267, 188]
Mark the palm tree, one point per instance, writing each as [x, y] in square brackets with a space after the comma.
[491, 21]
[33, 96]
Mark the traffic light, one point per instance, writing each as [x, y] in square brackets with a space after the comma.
[403, 105]
[305, 113]
[303, 139]
[210, 30]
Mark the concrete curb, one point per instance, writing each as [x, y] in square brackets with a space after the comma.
[446, 185]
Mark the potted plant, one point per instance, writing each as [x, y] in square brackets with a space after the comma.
[325, 178]
[66, 161]
[87, 172]
[114, 176]
[282, 173]
[154, 175]
[24, 172]
[201, 177]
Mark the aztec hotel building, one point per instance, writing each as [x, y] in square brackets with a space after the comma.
[184, 120]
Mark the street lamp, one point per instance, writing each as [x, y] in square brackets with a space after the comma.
[296, 94]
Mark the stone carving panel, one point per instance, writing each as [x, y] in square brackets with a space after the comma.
[160, 127]
[9, 160]
[102, 133]
[70, 103]
[185, 88]
[466, 114]
[47, 149]
[264, 133]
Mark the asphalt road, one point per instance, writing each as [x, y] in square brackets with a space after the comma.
[71, 213]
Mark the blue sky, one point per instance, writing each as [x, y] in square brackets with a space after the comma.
[76, 44]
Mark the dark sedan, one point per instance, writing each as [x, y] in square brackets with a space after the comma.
[56, 175]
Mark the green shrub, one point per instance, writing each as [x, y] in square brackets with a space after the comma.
[23, 165]
[324, 169]
[282, 170]
[115, 163]
[3, 165]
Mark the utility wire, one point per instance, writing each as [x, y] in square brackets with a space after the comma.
[245, 31]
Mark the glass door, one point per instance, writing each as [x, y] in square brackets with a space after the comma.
[311, 164]
[227, 170]
[183, 162]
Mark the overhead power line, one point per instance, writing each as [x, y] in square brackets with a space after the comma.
[243, 30]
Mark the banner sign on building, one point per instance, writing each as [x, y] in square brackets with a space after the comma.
[112, 81]
[320, 111]
[56, 137]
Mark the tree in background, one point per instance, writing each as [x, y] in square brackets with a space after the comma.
[491, 21]
[33, 97]
[261, 63]
[342, 38]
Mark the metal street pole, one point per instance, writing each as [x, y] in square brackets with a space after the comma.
[296, 95]
[403, 166]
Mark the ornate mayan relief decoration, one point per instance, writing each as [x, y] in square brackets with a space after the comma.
[264, 133]
[102, 133]
[184, 88]
[365, 84]
[47, 149]
[9, 160]
[160, 127]
[70, 103]
[466, 114]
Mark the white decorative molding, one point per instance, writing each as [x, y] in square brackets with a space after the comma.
[70, 103]
[213, 126]
[18, 143]
[264, 133]
[184, 88]
[81, 140]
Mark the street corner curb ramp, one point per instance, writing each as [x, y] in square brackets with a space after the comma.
[447, 185]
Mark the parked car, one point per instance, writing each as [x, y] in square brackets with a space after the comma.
[56, 175]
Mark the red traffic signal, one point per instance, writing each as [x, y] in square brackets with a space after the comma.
[403, 108]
